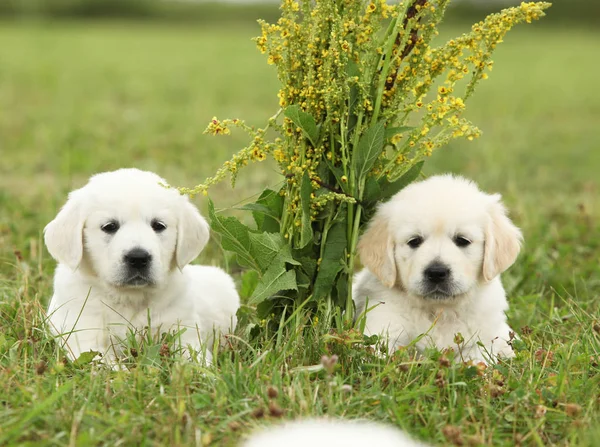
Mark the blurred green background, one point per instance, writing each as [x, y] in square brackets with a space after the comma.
[94, 85]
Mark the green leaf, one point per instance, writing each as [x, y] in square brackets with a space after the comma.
[270, 248]
[306, 235]
[372, 191]
[85, 358]
[304, 121]
[392, 131]
[341, 290]
[258, 208]
[369, 148]
[333, 260]
[276, 278]
[267, 220]
[234, 237]
[309, 266]
[264, 310]
[249, 282]
[389, 189]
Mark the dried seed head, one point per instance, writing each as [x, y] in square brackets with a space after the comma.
[459, 339]
[572, 410]
[496, 391]
[275, 410]
[453, 434]
[258, 413]
[165, 351]
[234, 426]
[543, 356]
[272, 393]
[41, 368]
[444, 361]
[540, 411]
[329, 362]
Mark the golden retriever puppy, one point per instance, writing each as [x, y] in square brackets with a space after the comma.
[433, 255]
[328, 433]
[123, 243]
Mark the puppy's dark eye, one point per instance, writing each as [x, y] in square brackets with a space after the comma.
[461, 241]
[158, 226]
[415, 242]
[110, 227]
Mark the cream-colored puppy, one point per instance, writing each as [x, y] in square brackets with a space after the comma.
[329, 433]
[123, 243]
[434, 254]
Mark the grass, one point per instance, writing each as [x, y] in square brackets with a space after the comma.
[82, 98]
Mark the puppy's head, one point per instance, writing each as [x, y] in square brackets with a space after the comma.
[127, 229]
[439, 239]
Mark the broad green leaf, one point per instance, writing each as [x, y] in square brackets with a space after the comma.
[389, 189]
[85, 358]
[305, 191]
[341, 290]
[268, 221]
[270, 248]
[234, 237]
[369, 148]
[249, 282]
[392, 131]
[258, 208]
[372, 191]
[276, 278]
[333, 260]
[263, 311]
[309, 265]
[304, 121]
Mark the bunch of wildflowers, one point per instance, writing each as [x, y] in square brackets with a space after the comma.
[365, 98]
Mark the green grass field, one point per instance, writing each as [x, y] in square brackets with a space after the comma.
[80, 98]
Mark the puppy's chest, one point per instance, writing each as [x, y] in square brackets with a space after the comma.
[445, 324]
[441, 324]
[135, 310]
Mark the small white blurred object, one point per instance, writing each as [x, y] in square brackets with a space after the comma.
[330, 433]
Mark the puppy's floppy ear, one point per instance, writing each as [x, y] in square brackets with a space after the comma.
[192, 234]
[376, 250]
[64, 235]
[502, 240]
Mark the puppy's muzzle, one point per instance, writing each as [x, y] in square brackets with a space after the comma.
[437, 273]
[137, 259]
[137, 262]
[437, 281]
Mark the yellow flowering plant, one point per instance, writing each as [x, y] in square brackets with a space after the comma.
[365, 98]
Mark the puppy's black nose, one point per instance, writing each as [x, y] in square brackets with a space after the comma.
[437, 273]
[138, 258]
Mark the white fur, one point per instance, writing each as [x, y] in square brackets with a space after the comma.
[96, 303]
[394, 282]
[328, 433]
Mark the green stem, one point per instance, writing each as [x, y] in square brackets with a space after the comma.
[384, 72]
[353, 242]
[344, 146]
